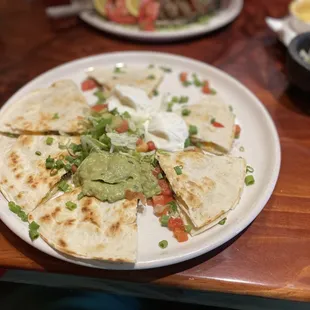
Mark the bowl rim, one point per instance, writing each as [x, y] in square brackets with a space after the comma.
[294, 52]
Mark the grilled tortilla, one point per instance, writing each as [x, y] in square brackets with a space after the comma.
[94, 230]
[208, 187]
[146, 79]
[213, 139]
[59, 108]
[23, 176]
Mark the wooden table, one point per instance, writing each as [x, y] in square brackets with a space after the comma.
[271, 258]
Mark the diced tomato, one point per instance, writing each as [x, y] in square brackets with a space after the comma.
[150, 202]
[99, 107]
[149, 10]
[237, 130]
[156, 171]
[217, 124]
[118, 13]
[123, 127]
[183, 76]
[88, 84]
[174, 223]
[161, 200]
[151, 146]
[165, 188]
[74, 168]
[139, 141]
[206, 88]
[180, 234]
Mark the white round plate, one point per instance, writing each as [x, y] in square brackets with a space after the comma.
[222, 18]
[258, 137]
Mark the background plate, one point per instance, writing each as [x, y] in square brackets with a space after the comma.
[223, 18]
[259, 138]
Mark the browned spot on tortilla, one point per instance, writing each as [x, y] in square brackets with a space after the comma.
[114, 229]
[127, 204]
[62, 243]
[89, 214]
[26, 140]
[19, 175]
[57, 210]
[11, 186]
[69, 222]
[46, 218]
[30, 217]
[20, 195]
[13, 159]
[86, 203]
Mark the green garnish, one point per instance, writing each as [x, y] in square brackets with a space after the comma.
[241, 149]
[68, 167]
[198, 144]
[80, 196]
[170, 106]
[69, 158]
[75, 147]
[178, 170]
[231, 108]
[187, 143]
[213, 91]
[33, 230]
[18, 211]
[186, 83]
[249, 180]
[59, 164]
[175, 99]
[249, 169]
[212, 120]
[193, 130]
[71, 205]
[38, 153]
[155, 92]
[125, 115]
[196, 81]
[62, 146]
[186, 112]
[166, 69]
[173, 206]
[223, 221]
[118, 70]
[49, 162]
[183, 99]
[64, 186]
[151, 77]
[100, 95]
[77, 162]
[56, 116]
[49, 141]
[163, 244]
[188, 228]
[160, 176]
[164, 220]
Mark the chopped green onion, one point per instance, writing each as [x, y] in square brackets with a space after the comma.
[183, 99]
[62, 146]
[223, 221]
[193, 130]
[163, 244]
[75, 147]
[164, 220]
[170, 106]
[155, 92]
[186, 112]
[63, 186]
[188, 228]
[178, 170]
[160, 176]
[38, 153]
[249, 180]
[34, 226]
[77, 161]
[173, 206]
[213, 91]
[241, 149]
[56, 116]
[196, 81]
[68, 167]
[175, 99]
[70, 159]
[14, 208]
[151, 66]
[23, 216]
[166, 69]
[53, 172]
[33, 234]
[49, 141]
[100, 95]
[212, 120]
[71, 205]
[49, 162]
[186, 83]
[151, 77]
[231, 108]
[118, 70]
[59, 164]
[80, 196]
[187, 143]
[125, 115]
[249, 169]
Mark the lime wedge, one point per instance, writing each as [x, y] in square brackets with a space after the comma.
[100, 6]
[133, 7]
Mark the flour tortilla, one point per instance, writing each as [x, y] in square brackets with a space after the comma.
[209, 185]
[146, 79]
[213, 139]
[59, 108]
[23, 176]
[94, 230]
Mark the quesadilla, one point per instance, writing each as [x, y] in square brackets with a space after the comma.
[146, 79]
[207, 187]
[59, 108]
[24, 178]
[92, 229]
[214, 122]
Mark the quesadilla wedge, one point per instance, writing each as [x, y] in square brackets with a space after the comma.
[24, 178]
[90, 228]
[146, 79]
[205, 186]
[59, 108]
[215, 124]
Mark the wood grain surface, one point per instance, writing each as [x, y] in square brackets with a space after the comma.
[271, 257]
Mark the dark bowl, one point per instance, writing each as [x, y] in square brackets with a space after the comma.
[297, 69]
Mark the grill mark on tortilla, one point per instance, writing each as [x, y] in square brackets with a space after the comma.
[19, 175]
[46, 218]
[57, 210]
[89, 214]
[69, 222]
[20, 195]
[114, 229]
[62, 243]
[13, 159]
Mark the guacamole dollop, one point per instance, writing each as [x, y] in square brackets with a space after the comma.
[107, 176]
